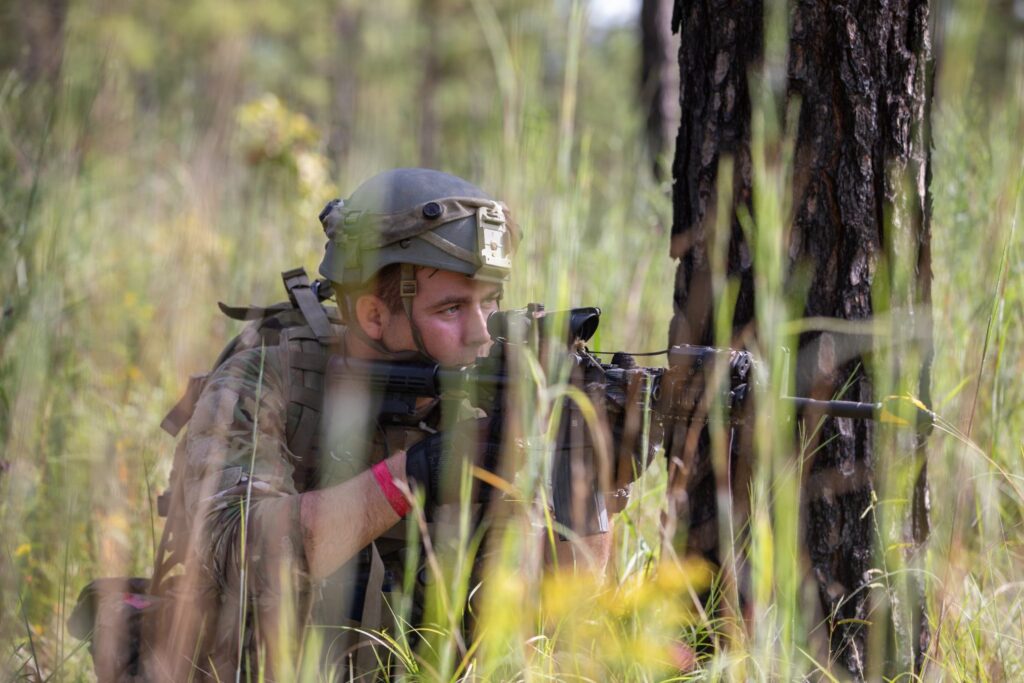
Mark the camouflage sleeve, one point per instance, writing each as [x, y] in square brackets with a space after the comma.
[239, 490]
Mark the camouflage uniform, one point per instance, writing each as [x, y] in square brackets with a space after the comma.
[256, 438]
[237, 449]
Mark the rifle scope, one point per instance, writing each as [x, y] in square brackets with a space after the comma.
[516, 325]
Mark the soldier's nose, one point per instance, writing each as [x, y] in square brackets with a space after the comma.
[476, 327]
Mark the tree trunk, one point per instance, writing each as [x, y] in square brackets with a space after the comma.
[33, 38]
[860, 203]
[432, 21]
[718, 48]
[659, 78]
[344, 80]
[862, 170]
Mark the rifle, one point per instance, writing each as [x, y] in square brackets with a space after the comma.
[679, 394]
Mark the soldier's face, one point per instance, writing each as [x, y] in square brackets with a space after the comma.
[451, 312]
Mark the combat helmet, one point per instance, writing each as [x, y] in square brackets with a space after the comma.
[415, 217]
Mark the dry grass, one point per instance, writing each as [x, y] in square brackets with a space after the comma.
[123, 225]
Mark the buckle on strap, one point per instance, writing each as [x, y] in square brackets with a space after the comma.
[407, 286]
[296, 277]
[306, 300]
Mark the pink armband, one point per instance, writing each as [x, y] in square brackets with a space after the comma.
[386, 482]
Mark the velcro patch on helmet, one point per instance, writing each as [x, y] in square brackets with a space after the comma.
[495, 238]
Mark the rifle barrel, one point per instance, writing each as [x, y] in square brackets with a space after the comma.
[852, 409]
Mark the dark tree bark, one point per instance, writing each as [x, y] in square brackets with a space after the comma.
[659, 78]
[718, 48]
[860, 71]
[862, 177]
[719, 45]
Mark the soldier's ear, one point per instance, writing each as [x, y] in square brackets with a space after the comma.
[372, 315]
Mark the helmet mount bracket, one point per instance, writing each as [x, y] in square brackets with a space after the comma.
[494, 240]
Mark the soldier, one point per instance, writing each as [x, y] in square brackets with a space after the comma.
[289, 491]
[286, 498]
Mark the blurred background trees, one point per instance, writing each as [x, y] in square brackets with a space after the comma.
[157, 157]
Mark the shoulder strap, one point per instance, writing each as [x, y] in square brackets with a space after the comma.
[303, 362]
[183, 409]
[305, 298]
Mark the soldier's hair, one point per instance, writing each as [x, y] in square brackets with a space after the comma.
[386, 285]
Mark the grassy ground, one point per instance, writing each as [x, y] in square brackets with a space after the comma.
[123, 226]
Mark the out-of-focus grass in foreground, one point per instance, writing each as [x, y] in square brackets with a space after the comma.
[181, 159]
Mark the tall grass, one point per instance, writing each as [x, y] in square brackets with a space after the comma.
[124, 225]
[974, 558]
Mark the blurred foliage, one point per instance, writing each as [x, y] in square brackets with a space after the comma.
[157, 157]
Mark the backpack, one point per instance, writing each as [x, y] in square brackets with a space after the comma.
[111, 613]
[309, 330]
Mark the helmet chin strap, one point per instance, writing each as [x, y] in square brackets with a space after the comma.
[408, 289]
[420, 354]
[384, 351]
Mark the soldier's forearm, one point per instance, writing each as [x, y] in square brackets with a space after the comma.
[340, 521]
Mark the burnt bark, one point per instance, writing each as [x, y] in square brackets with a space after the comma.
[861, 73]
[719, 45]
[659, 79]
[862, 170]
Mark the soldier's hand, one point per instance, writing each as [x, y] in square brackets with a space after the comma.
[435, 464]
